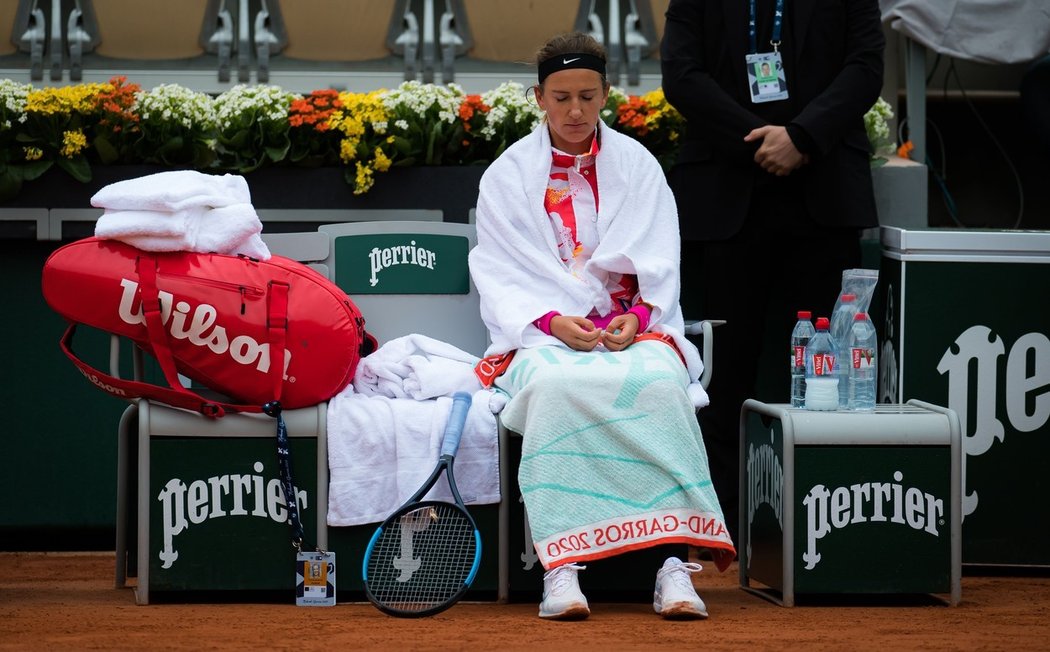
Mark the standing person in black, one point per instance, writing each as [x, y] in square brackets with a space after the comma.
[772, 191]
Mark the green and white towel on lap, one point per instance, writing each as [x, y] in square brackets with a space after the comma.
[612, 457]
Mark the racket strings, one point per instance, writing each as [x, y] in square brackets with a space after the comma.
[423, 558]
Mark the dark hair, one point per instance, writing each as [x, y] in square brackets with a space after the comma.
[572, 43]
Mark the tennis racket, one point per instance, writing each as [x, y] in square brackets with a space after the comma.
[424, 556]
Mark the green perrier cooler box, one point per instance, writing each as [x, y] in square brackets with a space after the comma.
[966, 325]
[849, 502]
[218, 516]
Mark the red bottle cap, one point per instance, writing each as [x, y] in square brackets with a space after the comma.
[846, 298]
[823, 324]
[860, 316]
[804, 314]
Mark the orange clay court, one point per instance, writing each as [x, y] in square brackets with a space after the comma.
[66, 601]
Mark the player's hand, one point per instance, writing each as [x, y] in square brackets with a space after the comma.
[620, 332]
[777, 154]
[578, 333]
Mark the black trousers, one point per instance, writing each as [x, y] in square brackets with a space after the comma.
[757, 281]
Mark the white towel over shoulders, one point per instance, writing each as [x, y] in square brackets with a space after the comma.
[637, 225]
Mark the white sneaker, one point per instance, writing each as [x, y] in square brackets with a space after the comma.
[675, 596]
[562, 598]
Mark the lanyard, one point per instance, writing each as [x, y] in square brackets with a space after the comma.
[778, 21]
[284, 466]
[277, 329]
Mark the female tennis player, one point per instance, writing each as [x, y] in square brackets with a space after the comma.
[577, 264]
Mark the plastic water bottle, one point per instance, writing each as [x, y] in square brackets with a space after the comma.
[862, 364]
[800, 336]
[841, 323]
[822, 380]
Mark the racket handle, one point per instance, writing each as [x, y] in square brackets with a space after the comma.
[457, 416]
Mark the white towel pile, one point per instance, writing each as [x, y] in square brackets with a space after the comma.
[182, 210]
[380, 450]
[418, 367]
[385, 430]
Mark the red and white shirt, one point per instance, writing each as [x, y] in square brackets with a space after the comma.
[571, 202]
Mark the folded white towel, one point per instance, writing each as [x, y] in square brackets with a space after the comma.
[252, 246]
[174, 191]
[416, 366]
[117, 223]
[380, 450]
[232, 229]
[430, 377]
[386, 379]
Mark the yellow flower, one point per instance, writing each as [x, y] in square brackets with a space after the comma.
[81, 98]
[382, 163]
[72, 143]
[362, 119]
[348, 149]
[363, 182]
[33, 153]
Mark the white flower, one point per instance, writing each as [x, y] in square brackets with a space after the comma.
[13, 100]
[875, 123]
[176, 104]
[246, 104]
[617, 95]
[414, 99]
[509, 104]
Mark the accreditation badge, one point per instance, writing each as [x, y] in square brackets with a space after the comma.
[315, 579]
[765, 76]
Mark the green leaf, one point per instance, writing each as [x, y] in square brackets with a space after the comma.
[402, 145]
[107, 153]
[33, 169]
[77, 168]
[203, 156]
[241, 139]
[278, 152]
[250, 166]
[429, 159]
[10, 183]
[172, 145]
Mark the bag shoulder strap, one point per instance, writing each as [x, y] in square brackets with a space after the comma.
[123, 388]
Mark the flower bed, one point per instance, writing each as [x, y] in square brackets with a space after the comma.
[248, 127]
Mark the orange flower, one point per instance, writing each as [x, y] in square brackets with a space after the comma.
[314, 109]
[631, 114]
[117, 105]
[470, 105]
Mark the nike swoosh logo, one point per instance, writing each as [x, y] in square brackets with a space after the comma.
[566, 62]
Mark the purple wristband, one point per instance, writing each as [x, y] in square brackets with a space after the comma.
[642, 312]
[544, 322]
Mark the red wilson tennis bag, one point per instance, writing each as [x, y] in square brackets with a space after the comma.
[255, 331]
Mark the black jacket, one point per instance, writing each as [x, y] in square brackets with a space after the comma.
[834, 76]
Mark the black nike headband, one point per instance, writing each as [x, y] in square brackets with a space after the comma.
[572, 60]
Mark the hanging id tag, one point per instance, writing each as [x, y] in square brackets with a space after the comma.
[315, 579]
[765, 76]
